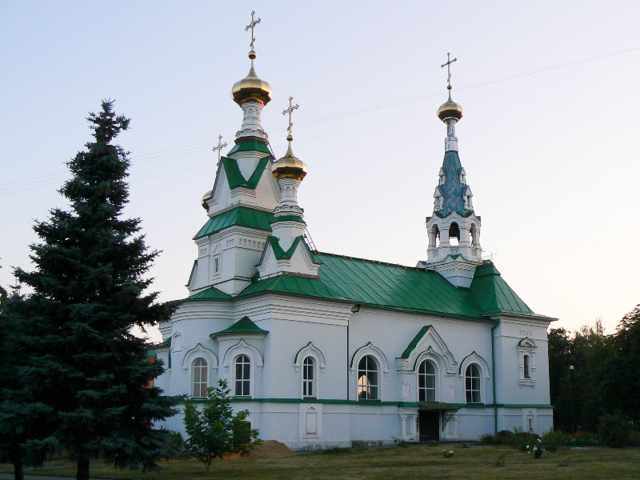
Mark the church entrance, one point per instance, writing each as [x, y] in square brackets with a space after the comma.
[429, 425]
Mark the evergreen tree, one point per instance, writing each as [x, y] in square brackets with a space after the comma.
[87, 293]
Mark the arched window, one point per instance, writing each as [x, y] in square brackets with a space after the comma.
[368, 381]
[308, 377]
[426, 382]
[243, 376]
[472, 384]
[454, 234]
[200, 375]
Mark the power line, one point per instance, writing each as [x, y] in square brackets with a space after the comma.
[143, 159]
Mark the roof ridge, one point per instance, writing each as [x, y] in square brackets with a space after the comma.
[379, 262]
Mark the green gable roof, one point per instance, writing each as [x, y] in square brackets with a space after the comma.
[242, 216]
[412, 345]
[244, 325]
[492, 293]
[293, 284]
[210, 293]
[235, 177]
[279, 252]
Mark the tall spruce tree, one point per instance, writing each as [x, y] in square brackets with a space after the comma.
[88, 292]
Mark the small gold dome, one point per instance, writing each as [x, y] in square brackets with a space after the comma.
[206, 197]
[289, 166]
[450, 109]
[251, 87]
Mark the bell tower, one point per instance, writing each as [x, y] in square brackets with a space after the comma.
[454, 229]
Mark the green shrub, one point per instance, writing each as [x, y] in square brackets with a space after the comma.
[634, 439]
[552, 440]
[486, 439]
[614, 430]
[583, 438]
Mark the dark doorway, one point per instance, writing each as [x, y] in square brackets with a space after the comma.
[429, 426]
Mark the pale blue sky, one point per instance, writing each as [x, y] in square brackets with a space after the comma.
[552, 156]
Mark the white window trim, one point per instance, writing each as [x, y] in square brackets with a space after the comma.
[378, 371]
[473, 357]
[314, 380]
[526, 346]
[207, 379]
[383, 365]
[251, 375]
[436, 367]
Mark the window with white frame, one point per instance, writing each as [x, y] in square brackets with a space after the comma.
[216, 265]
[426, 382]
[472, 384]
[242, 376]
[308, 378]
[368, 378]
[527, 361]
[199, 377]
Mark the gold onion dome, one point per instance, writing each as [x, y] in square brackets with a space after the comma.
[450, 109]
[289, 166]
[251, 87]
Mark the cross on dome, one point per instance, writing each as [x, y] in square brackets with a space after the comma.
[448, 65]
[290, 112]
[252, 26]
[219, 147]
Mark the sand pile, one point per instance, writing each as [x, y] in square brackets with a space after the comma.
[271, 449]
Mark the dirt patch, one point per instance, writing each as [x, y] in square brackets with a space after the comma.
[271, 449]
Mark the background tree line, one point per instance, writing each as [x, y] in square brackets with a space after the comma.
[592, 373]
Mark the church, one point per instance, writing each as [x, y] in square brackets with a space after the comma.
[326, 350]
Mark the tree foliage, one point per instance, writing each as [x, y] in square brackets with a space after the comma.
[593, 374]
[215, 431]
[80, 360]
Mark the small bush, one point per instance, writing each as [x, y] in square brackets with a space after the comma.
[614, 430]
[553, 440]
[486, 439]
[536, 448]
[634, 439]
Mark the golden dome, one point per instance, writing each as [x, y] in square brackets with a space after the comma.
[251, 87]
[205, 198]
[289, 166]
[450, 109]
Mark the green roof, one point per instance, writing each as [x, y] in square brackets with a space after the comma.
[387, 285]
[493, 295]
[378, 284]
[235, 177]
[246, 145]
[244, 325]
[412, 345]
[293, 284]
[210, 293]
[242, 216]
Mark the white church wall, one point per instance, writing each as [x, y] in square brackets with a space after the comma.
[513, 388]
[391, 332]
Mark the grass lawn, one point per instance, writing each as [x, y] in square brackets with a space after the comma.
[416, 461]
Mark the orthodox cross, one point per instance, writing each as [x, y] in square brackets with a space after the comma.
[290, 111]
[448, 65]
[219, 147]
[252, 26]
